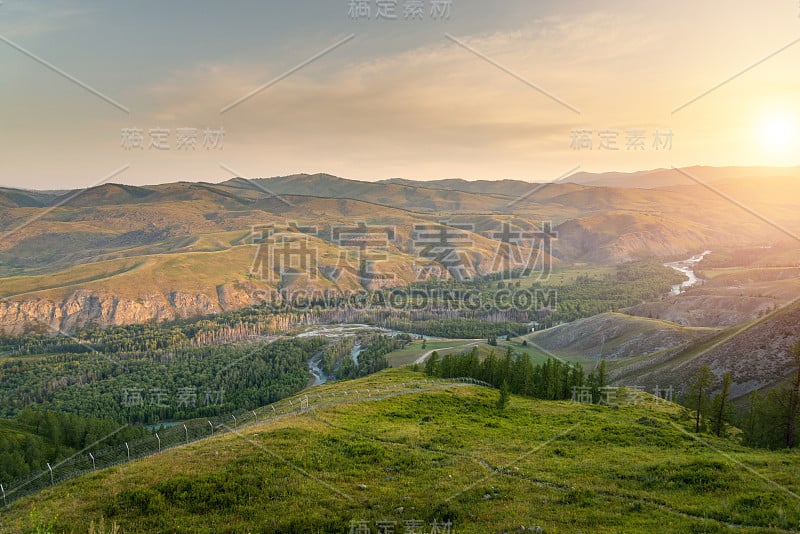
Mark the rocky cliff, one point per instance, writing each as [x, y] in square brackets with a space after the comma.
[85, 307]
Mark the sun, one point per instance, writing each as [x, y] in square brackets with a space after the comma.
[778, 133]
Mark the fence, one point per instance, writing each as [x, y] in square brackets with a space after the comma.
[88, 460]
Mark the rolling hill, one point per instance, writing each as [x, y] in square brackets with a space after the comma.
[614, 336]
[756, 353]
[437, 454]
[181, 249]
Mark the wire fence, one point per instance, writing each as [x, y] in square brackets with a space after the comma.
[91, 460]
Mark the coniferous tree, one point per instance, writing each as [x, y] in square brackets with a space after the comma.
[432, 364]
[721, 409]
[794, 400]
[602, 377]
[502, 401]
[697, 399]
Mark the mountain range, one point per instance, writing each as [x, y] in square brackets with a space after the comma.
[118, 254]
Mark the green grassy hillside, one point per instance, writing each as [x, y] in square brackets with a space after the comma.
[440, 453]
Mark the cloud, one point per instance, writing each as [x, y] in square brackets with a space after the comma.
[419, 105]
[430, 105]
[28, 19]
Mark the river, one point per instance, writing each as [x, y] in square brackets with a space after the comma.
[315, 368]
[336, 331]
[686, 267]
[355, 352]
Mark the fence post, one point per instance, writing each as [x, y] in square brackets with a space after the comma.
[94, 466]
[255, 416]
[128, 449]
[212, 428]
[187, 433]
[159, 442]
[234, 420]
[51, 474]
[2, 489]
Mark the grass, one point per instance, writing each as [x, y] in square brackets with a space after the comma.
[566, 274]
[411, 352]
[445, 454]
[537, 356]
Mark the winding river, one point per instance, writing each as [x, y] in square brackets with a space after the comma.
[334, 332]
[686, 267]
[315, 368]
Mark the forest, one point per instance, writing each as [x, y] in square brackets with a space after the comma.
[160, 386]
[36, 436]
[631, 284]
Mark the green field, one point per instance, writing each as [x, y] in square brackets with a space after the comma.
[537, 355]
[411, 352]
[444, 453]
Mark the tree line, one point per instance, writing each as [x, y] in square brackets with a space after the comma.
[770, 419]
[551, 380]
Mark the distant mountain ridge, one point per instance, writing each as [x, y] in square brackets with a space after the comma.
[330, 186]
[126, 253]
[651, 179]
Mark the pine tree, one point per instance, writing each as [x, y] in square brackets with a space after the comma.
[721, 409]
[697, 399]
[753, 421]
[794, 400]
[432, 364]
[502, 401]
[602, 377]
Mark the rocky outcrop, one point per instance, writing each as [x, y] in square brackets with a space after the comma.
[235, 296]
[192, 304]
[84, 308]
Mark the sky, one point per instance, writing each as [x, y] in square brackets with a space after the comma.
[151, 92]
